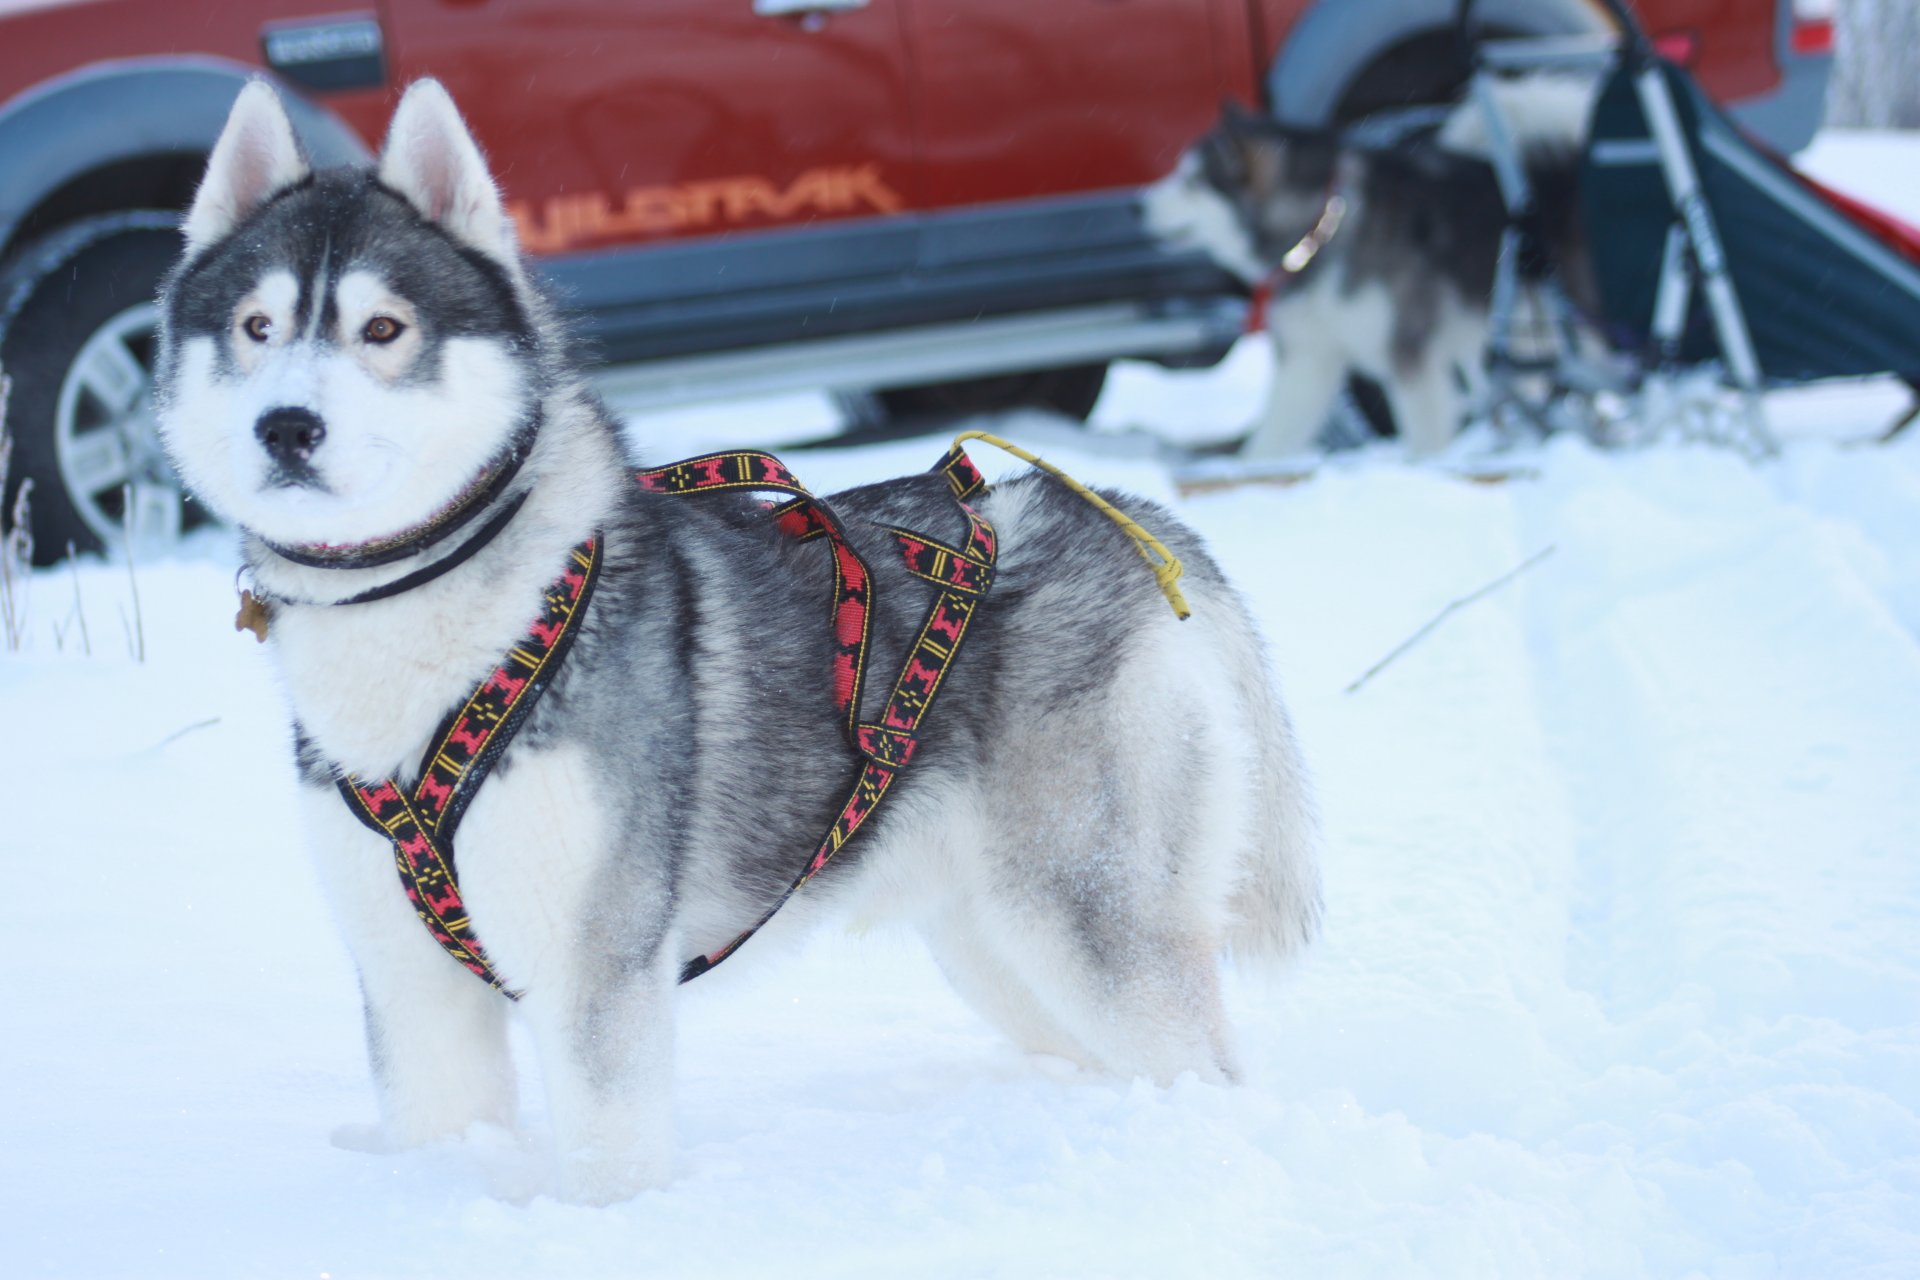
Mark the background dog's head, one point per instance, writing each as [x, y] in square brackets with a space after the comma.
[346, 355]
[1246, 192]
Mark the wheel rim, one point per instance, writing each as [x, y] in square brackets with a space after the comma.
[106, 438]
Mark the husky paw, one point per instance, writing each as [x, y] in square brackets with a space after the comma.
[601, 1178]
[1055, 1067]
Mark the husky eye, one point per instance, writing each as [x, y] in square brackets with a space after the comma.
[257, 327]
[382, 329]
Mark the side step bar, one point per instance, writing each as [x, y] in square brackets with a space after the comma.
[932, 353]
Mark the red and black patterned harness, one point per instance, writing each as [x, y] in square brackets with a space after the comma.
[421, 822]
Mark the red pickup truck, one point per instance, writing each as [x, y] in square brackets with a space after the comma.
[933, 200]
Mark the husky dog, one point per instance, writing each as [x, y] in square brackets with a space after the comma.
[1104, 800]
[1381, 260]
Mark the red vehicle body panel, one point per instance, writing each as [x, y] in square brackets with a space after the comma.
[1737, 56]
[1023, 98]
[614, 122]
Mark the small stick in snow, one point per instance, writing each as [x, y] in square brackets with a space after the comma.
[1452, 607]
[178, 734]
[1901, 424]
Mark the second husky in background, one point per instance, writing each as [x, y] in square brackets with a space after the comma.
[1380, 261]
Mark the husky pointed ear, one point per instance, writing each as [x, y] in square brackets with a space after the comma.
[256, 157]
[433, 161]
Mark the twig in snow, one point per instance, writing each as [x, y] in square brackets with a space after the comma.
[16, 543]
[177, 734]
[1453, 606]
[1901, 424]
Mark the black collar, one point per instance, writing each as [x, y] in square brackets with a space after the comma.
[493, 483]
[486, 493]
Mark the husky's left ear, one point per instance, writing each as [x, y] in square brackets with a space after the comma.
[433, 161]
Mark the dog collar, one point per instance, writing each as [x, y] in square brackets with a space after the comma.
[1297, 259]
[1301, 256]
[256, 603]
[470, 502]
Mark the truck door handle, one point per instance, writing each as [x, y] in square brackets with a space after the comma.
[801, 8]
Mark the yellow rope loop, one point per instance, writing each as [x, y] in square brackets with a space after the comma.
[1165, 565]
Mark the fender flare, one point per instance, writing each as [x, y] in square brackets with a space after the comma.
[111, 112]
[1337, 39]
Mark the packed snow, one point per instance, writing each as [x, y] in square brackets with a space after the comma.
[1621, 972]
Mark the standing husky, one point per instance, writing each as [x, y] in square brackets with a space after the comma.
[356, 366]
[1379, 261]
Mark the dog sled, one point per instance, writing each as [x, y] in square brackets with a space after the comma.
[1718, 271]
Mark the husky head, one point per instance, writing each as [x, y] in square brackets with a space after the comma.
[348, 357]
[1246, 192]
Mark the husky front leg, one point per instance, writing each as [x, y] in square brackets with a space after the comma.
[1308, 372]
[437, 1041]
[606, 1050]
[436, 1035]
[583, 926]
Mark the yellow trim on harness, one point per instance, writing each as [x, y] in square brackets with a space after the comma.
[1166, 567]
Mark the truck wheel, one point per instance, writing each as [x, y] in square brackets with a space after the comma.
[1424, 70]
[78, 324]
[1070, 391]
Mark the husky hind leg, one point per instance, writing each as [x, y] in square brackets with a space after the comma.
[1138, 990]
[1059, 944]
[1070, 954]
[1439, 341]
[982, 965]
[1124, 853]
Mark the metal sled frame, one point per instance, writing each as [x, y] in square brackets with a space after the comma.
[1544, 392]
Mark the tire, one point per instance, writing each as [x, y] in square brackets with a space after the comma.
[1426, 70]
[1071, 391]
[77, 332]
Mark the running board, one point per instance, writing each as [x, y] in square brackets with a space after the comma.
[930, 353]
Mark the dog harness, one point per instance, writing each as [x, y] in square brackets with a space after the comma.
[420, 822]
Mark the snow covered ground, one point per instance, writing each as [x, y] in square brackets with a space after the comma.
[1621, 974]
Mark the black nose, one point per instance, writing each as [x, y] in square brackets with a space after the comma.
[290, 434]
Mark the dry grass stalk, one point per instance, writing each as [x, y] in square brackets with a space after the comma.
[16, 540]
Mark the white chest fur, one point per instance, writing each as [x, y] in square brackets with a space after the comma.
[370, 683]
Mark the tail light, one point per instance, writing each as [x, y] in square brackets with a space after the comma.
[1812, 31]
[1812, 38]
[1678, 47]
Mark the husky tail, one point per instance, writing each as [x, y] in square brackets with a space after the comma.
[1544, 113]
[1275, 906]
